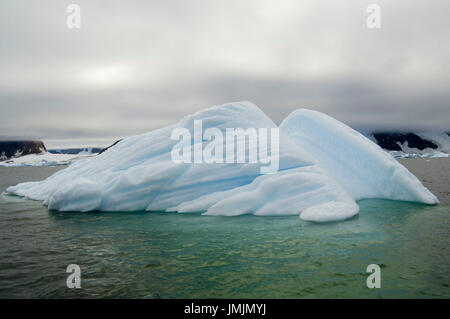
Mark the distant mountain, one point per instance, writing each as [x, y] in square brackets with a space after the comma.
[10, 149]
[393, 141]
[410, 144]
[76, 150]
[34, 153]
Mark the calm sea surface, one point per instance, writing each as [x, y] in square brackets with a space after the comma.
[169, 255]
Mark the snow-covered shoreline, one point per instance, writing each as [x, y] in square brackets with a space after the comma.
[413, 145]
[45, 159]
[421, 154]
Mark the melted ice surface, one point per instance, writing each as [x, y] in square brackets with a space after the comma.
[324, 167]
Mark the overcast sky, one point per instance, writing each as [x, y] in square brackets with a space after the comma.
[138, 65]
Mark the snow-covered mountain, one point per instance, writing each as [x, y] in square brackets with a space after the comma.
[405, 145]
[34, 153]
[10, 149]
[75, 151]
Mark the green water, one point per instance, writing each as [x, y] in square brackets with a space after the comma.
[161, 255]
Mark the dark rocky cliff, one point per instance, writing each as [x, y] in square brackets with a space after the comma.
[390, 141]
[10, 149]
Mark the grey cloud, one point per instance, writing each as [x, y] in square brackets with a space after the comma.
[135, 66]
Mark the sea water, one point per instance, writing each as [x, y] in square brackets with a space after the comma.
[170, 255]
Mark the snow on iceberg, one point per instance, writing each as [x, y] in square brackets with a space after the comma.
[360, 166]
[324, 167]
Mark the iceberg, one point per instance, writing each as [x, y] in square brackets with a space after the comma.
[324, 167]
[360, 166]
